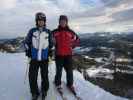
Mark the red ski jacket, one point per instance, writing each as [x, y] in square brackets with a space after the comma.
[65, 40]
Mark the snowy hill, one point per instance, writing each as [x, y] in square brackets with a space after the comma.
[12, 87]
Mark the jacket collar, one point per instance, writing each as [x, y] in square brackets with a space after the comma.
[63, 29]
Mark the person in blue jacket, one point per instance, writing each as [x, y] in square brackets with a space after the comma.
[38, 44]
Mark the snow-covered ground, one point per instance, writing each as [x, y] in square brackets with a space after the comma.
[81, 49]
[12, 87]
[100, 72]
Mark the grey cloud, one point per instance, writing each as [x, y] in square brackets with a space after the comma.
[114, 3]
[125, 15]
[89, 13]
[19, 19]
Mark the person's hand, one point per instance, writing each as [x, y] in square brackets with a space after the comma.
[28, 53]
[50, 53]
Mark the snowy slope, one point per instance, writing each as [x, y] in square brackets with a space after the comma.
[12, 87]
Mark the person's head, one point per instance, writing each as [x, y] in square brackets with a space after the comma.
[63, 21]
[40, 19]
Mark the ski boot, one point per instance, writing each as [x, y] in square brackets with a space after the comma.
[34, 97]
[44, 95]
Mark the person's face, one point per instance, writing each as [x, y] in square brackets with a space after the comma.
[40, 23]
[63, 23]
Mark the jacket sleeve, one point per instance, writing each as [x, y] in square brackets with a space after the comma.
[53, 35]
[50, 53]
[28, 43]
[75, 39]
[50, 40]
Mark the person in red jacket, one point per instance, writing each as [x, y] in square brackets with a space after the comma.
[65, 41]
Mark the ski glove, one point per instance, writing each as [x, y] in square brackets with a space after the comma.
[28, 53]
[50, 53]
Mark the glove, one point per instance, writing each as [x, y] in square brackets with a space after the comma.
[50, 53]
[28, 53]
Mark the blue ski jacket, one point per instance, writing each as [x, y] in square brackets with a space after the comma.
[38, 43]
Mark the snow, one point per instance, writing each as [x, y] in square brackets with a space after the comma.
[99, 59]
[12, 87]
[81, 49]
[100, 72]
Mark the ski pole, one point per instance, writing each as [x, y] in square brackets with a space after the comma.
[27, 69]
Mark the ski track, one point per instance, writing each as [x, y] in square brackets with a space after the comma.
[12, 87]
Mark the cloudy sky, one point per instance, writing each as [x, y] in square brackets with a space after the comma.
[17, 16]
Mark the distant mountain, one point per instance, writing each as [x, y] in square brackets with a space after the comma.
[97, 39]
[12, 45]
[104, 38]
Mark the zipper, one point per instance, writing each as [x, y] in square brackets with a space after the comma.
[39, 50]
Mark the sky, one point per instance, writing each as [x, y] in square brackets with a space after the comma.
[85, 16]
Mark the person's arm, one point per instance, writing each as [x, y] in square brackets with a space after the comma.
[28, 43]
[50, 40]
[50, 43]
[53, 34]
[75, 39]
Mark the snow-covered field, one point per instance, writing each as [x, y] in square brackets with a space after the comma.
[12, 87]
[100, 72]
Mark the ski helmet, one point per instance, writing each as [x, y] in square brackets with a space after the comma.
[40, 16]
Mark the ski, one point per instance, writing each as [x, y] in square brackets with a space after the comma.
[75, 94]
[60, 91]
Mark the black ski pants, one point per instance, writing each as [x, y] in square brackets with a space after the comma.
[66, 63]
[33, 75]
